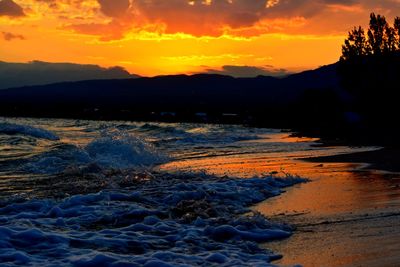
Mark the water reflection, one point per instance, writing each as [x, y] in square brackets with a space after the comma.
[345, 216]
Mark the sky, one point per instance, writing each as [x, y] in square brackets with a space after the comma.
[157, 37]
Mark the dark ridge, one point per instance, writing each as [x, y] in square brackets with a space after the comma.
[14, 75]
[351, 100]
[263, 100]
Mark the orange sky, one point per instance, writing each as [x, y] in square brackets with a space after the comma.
[152, 37]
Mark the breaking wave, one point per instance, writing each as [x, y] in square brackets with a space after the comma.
[115, 149]
[119, 149]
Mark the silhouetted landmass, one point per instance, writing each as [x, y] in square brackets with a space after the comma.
[248, 71]
[369, 71]
[40, 73]
[373, 83]
[354, 100]
[213, 98]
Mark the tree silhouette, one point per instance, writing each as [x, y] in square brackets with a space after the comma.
[397, 30]
[381, 39]
[355, 45]
[390, 44]
[377, 38]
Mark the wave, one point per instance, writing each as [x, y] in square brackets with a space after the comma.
[216, 138]
[114, 149]
[185, 134]
[171, 220]
[182, 134]
[119, 149]
[148, 127]
[57, 160]
[14, 129]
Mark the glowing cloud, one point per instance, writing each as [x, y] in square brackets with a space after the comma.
[152, 37]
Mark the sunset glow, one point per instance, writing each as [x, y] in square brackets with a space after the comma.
[152, 37]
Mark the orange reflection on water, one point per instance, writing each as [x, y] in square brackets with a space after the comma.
[335, 187]
[343, 215]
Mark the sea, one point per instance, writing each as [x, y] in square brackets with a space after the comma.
[118, 193]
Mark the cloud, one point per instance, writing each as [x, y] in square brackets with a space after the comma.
[112, 30]
[51, 3]
[221, 17]
[201, 17]
[248, 71]
[8, 36]
[114, 8]
[11, 9]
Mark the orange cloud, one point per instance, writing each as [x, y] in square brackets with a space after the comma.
[153, 37]
[220, 17]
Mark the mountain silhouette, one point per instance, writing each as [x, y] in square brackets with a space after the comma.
[40, 73]
[141, 98]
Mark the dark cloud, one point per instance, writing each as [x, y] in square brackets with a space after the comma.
[238, 17]
[114, 8]
[11, 9]
[201, 17]
[8, 36]
[248, 71]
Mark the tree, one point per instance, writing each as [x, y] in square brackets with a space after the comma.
[390, 44]
[397, 31]
[381, 39]
[376, 33]
[355, 45]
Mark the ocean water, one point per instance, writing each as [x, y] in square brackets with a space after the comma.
[85, 193]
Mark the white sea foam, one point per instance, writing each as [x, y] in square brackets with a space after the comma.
[177, 220]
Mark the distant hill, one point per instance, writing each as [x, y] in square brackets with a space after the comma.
[180, 95]
[355, 100]
[40, 73]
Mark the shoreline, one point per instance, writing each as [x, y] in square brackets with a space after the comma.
[384, 159]
[341, 215]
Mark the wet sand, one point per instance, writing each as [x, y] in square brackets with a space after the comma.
[347, 215]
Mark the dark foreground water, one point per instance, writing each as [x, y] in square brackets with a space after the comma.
[86, 193]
